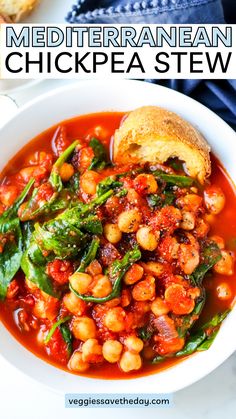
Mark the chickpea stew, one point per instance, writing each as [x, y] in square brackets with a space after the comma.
[112, 271]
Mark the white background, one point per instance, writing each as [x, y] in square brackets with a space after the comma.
[211, 398]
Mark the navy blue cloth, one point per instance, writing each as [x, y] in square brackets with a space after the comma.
[219, 96]
[147, 11]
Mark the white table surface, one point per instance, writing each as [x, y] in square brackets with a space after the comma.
[214, 397]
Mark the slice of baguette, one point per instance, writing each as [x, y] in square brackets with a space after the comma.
[16, 10]
[153, 134]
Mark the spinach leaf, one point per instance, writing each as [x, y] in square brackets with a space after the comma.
[158, 359]
[192, 344]
[169, 198]
[210, 255]
[89, 255]
[55, 178]
[189, 320]
[10, 230]
[55, 202]
[118, 270]
[27, 229]
[176, 180]
[107, 184]
[60, 237]
[10, 258]
[73, 183]
[100, 156]
[67, 336]
[204, 337]
[55, 326]
[11, 212]
[145, 333]
[154, 200]
[33, 264]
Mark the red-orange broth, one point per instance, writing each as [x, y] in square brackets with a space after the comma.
[102, 126]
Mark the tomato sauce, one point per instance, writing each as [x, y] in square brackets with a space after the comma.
[102, 126]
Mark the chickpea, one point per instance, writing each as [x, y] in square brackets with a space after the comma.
[225, 266]
[46, 308]
[102, 287]
[112, 233]
[154, 268]
[188, 220]
[128, 221]
[130, 361]
[114, 319]
[146, 239]
[77, 364]
[219, 241]
[134, 274]
[134, 344]
[190, 202]
[66, 171]
[80, 282]
[111, 350]
[74, 304]
[83, 328]
[144, 290]
[224, 291]
[146, 183]
[101, 132]
[159, 307]
[88, 182]
[28, 173]
[214, 199]
[188, 258]
[92, 351]
[133, 197]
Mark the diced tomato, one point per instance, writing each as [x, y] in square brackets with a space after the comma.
[85, 158]
[60, 270]
[168, 248]
[40, 158]
[178, 300]
[57, 348]
[170, 346]
[167, 219]
[108, 254]
[13, 289]
[113, 206]
[60, 141]
[38, 173]
[45, 192]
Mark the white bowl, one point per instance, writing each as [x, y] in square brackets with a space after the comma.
[94, 96]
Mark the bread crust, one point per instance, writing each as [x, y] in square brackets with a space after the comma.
[152, 134]
[23, 10]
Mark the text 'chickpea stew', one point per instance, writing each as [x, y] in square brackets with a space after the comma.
[112, 270]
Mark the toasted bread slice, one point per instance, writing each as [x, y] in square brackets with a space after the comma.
[153, 134]
[16, 10]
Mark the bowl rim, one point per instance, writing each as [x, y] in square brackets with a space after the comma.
[212, 361]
